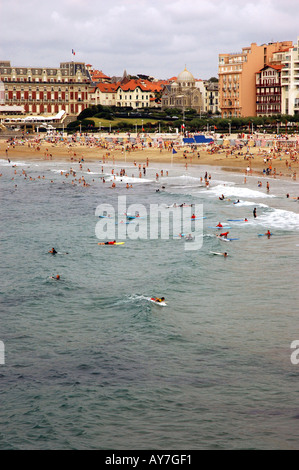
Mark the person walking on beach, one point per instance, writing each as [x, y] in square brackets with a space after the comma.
[254, 212]
[268, 187]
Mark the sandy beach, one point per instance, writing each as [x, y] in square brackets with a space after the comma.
[283, 163]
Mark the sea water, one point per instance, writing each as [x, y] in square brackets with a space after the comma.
[90, 363]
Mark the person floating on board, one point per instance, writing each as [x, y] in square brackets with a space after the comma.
[157, 299]
[221, 197]
[53, 251]
[110, 243]
[224, 234]
[219, 225]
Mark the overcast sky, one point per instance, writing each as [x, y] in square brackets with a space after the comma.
[154, 37]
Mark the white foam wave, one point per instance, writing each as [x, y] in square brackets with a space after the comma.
[6, 163]
[249, 203]
[183, 179]
[280, 219]
[128, 179]
[235, 191]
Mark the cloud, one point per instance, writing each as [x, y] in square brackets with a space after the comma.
[142, 36]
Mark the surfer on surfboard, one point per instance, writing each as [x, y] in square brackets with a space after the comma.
[158, 299]
[224, 234]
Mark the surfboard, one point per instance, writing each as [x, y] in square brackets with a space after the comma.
[226, 239]
[217, 253]
[160, 304]
[264, 234]
[197, 218]
[224, 226]
[112, 244]
[237, 220]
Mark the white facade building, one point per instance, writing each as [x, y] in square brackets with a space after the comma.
[290, 81]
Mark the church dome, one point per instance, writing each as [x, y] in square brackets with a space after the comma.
[185, 76]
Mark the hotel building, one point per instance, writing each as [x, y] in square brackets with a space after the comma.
[46, 90]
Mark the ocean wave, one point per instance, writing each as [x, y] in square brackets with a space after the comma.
[235, 191]
[279, 218]
[6, 163]
[249, 203]
[181, 179]
[127, 179]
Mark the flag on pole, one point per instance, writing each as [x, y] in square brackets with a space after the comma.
[174, 151]
[73, 52]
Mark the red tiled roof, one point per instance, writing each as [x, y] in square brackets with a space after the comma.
[108, 87]
[97, 74]
[131, 85]
[272, 66]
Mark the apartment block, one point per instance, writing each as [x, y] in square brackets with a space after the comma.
[290, 80]
[237, 77]
[268, 90]
[211, 97]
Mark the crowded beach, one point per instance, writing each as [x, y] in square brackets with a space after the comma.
[274, 156]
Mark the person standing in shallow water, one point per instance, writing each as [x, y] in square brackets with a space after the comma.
[254, 212]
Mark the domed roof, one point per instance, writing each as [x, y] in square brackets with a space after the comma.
[185, 76]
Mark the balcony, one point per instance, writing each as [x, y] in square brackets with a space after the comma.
[268, 83]
[268, 93]
[266, 103]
